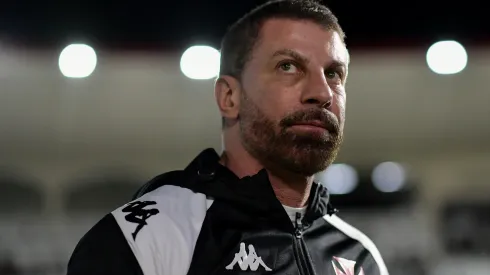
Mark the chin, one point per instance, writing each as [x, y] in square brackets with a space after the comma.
[308, 163]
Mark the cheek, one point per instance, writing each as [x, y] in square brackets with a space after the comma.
[339, 107]
[276, 102]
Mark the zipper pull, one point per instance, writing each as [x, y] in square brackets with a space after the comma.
[331, 210]
[299, 226]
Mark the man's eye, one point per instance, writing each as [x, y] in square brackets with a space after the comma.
[288, 67]
[333, 75]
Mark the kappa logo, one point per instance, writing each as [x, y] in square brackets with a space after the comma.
[245, 261]
[138, 214]
[342, 266]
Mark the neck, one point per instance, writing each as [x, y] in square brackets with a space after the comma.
[290, 189]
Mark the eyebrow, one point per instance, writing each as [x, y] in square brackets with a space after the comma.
[293, 54]
[335, 64]
[301, 58]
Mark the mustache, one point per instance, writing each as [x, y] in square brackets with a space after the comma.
[329, 120]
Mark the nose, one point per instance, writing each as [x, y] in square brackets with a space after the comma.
[317, 92]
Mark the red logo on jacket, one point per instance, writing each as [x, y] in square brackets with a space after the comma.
[343, 266]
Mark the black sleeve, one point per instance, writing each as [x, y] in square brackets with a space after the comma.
[103, 251]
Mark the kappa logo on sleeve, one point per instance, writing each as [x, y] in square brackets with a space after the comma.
[138, 214]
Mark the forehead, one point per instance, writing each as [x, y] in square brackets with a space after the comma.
[303, 36]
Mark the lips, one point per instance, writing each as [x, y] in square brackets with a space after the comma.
[314, 123]
[312, 120]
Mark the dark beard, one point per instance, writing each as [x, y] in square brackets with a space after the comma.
[300, 154]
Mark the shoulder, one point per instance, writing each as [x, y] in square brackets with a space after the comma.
[154, 234]
[175, 177]
[357, 235]
[162, 226]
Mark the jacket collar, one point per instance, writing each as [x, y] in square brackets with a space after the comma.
[253, 193]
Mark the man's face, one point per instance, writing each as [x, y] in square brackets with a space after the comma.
[292, 106]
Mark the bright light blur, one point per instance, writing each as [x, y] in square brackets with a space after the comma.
[339, 178]
[77, 61]
[200, 62]
[447, 57]
[389, 177]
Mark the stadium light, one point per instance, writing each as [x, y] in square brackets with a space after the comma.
[339, 178]
[447, 57]
[389, 177]
[77, 61]
[200, 62]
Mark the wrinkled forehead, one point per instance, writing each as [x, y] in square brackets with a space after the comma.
[310, 39]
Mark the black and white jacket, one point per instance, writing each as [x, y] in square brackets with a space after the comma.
[205, 220]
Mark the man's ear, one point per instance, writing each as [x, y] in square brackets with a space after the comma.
[227, 92]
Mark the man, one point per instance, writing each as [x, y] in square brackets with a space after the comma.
[281, 93]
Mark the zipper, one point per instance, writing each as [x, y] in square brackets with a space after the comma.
[300, 252]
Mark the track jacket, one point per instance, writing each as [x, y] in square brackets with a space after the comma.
[205, 220]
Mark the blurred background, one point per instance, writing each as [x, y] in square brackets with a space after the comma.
[96, 98]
